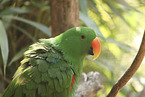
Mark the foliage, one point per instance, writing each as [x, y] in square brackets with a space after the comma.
[117, 20]
[23, 22]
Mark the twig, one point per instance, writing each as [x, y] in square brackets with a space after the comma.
[131, 70]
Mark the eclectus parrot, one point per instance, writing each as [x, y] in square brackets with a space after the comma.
[52, 67]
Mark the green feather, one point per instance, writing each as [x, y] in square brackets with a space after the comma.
[59, 77]
[31, 85]
[45, 77]
[42, 89]
[30, 93]
[42, 65]
[57, 85]
[18, 92]
[33, 62]
[64, 76]
[51, 83]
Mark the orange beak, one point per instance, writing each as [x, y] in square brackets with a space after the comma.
[96, 47]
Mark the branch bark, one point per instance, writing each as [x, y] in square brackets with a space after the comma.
[131, 70]
[64, 15]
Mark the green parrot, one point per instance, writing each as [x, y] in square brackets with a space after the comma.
[52, 67]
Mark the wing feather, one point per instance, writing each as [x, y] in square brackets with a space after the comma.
[43, 73]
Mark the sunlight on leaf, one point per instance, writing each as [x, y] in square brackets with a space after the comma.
[122, 46]
[115, 50]
[125, 4]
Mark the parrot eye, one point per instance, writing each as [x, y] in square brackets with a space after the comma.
[83, 37]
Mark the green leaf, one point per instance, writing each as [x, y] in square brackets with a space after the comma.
[25, 32]
[83, 6]
[4, 1]
[14, 10]
[39, 26]
[125, 4]
[42, 6]
[4, 45]
[6, 22]
[90, 23]
[18, 55]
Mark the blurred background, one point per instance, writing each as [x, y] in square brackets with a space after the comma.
[119, 25]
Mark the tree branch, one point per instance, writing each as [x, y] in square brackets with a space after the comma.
[131, 70]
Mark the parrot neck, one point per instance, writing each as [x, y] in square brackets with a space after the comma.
[69, 55]
[75, 61]
[77, 65]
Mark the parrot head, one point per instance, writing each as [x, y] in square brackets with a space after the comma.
[77, 42]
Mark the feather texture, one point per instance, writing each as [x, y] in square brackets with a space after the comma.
[38, 75]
